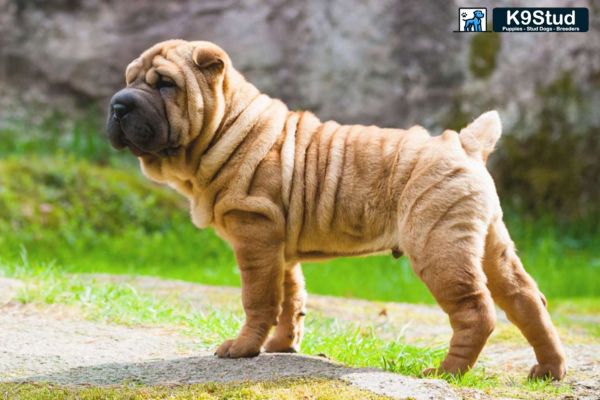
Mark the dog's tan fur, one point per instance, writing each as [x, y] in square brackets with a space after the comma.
[282, 187]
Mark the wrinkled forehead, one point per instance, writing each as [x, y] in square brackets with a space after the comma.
[162, 58]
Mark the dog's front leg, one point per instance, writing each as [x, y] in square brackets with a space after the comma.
[258, 247]
[288, 334]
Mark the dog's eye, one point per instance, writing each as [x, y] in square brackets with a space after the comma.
[164, 83]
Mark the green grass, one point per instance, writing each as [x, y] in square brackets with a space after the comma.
[65, 195]
[54, 134]
[102, 218]
[352, 344]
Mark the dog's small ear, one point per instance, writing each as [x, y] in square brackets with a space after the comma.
[208, 57]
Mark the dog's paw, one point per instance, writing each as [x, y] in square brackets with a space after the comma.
[277, 345]
[237, 349]
[544, 371]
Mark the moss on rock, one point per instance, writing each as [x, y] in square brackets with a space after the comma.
[555, 168]
[482, 57]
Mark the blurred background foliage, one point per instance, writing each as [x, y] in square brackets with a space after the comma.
[66, 196]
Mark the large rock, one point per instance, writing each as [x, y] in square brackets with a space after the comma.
[392, 63]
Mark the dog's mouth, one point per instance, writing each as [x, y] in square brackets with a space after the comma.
[119, 139]
[139, 138]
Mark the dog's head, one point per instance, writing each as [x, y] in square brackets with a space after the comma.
[174, 93]
[478, 14]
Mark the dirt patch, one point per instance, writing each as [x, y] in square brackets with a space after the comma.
[54, 345]
[8, 289]
[38, 342]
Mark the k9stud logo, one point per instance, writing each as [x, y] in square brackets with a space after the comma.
[472, 19]
[524, 19]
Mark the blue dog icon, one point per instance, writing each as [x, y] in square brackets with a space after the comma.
[474, 24]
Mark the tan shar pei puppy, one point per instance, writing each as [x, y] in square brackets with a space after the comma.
[282, 187]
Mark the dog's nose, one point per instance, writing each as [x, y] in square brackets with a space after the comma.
[122, 103]
[120, 110]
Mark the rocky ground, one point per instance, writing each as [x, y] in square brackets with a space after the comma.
[55, 344]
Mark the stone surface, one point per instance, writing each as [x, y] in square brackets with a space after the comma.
[57, 346]
[385, 62]
[376, 61]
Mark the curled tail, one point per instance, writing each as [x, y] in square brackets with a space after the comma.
[480, 136]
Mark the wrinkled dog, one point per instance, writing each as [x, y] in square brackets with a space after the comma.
[282, 187]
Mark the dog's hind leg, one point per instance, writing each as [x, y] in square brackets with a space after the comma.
[518, 295]
[288, 333]
[450, 266]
